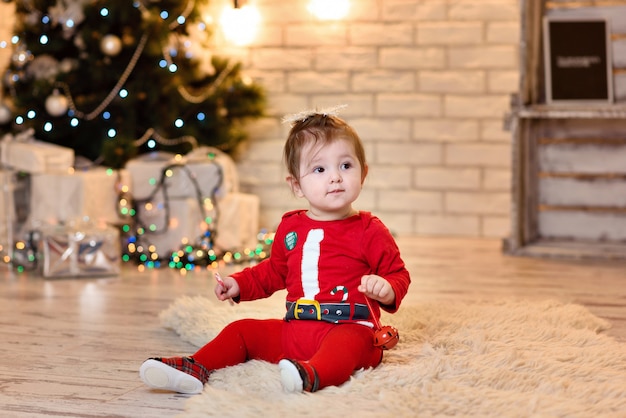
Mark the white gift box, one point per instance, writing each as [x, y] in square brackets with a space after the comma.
[185, 223]
[238, 221]
[236, 229]
[163, 183]
[7, 205]
[230, 177]
[199, 176]
[64, 197]
[35, 156]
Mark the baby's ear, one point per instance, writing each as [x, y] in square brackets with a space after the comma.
[364, 173]
[294, 185]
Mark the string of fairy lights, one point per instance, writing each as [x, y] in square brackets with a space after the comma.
[192, 252]
[61, 100]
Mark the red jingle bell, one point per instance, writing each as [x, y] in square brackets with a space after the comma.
[386, 337]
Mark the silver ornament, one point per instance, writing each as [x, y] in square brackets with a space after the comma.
[5, 113]
[56, 104]
[111, 45]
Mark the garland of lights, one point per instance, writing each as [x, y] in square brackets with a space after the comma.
[202, 253]
[24, 253]
[130, 67]
[137, 250]
[183, 91]
[162, 186]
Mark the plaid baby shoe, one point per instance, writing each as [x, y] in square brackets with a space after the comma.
[178, 374]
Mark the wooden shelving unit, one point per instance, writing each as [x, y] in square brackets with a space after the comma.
[569, 160]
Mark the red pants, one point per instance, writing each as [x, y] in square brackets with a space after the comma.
[334, 350]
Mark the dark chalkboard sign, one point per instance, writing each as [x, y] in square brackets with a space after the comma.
[577, 60]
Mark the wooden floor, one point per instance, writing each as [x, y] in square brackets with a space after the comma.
[73, 347]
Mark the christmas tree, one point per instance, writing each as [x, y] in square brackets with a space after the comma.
[112, 79]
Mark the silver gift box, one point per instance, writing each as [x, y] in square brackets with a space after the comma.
[70, 252]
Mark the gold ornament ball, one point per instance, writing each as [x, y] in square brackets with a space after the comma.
[111, 45]
[56, 104]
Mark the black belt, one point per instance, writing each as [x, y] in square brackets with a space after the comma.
[330, 312]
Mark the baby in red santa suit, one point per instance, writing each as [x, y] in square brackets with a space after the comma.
[329, 257]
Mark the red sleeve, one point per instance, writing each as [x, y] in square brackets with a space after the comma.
[383, 255]
[263, 279]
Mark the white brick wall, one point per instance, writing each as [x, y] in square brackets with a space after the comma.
[427, 83]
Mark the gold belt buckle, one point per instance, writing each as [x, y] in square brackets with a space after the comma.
[297, 310]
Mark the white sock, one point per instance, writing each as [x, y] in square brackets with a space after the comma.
[290, 377]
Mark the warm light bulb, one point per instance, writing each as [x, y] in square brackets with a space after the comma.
[240, 24]
[329, 9]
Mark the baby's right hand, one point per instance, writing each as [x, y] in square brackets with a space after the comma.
[229, 290]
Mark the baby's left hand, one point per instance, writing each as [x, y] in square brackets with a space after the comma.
[377, 288]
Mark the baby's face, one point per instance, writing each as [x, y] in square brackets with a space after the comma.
[330, 178]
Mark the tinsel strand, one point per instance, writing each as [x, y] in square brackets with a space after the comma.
[210, 90]
[173, 25]
[185, 14]
[107, 100]
[151, 133]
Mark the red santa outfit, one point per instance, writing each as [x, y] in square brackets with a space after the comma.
[328, 324]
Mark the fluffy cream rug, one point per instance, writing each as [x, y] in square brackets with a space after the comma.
[510, 359]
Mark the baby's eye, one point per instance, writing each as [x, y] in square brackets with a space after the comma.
[346, 166]
[318, 170]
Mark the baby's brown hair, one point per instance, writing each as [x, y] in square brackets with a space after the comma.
[323, 128]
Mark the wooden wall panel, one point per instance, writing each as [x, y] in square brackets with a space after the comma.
[583, 158]
[593, 227]
[583, 192]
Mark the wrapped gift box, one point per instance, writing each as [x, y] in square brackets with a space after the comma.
[183, 178]
[14, 203]
[237, 224]
[185, 223]
[7, 205]
[203, 173]
[230, 177]
[81, 250]
[64, 197]
[238, 221]
[34, 156]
